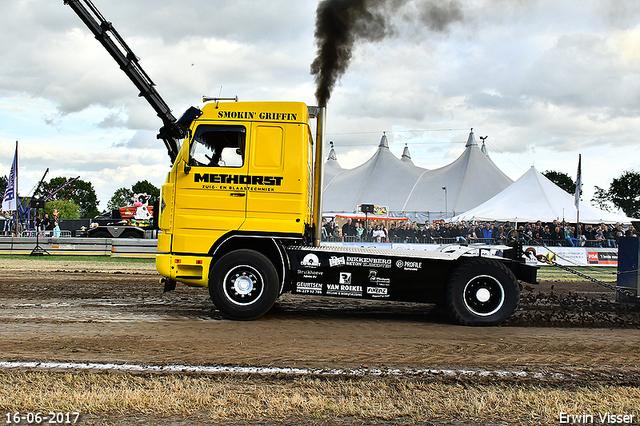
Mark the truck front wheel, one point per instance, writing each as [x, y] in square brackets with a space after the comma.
[482, 292]
[100, 234]
[243, 284]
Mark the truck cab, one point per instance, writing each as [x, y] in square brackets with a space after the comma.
[244, 172]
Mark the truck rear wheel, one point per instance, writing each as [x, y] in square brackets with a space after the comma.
[128, 234]
[243, 284]
[482, 292]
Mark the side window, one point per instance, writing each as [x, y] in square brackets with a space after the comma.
[218, 146]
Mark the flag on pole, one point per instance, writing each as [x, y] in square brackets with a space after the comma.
[11, 193]
[578, 182]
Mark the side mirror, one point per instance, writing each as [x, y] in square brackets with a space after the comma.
[186, 148]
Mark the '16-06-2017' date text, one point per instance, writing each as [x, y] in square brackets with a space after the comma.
[37, 418]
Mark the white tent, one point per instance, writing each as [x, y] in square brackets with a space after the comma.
[469, 181]
[411, 191]
[383, 180]
[533, 197]
[331, 167]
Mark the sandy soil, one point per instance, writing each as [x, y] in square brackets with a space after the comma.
[117, 313]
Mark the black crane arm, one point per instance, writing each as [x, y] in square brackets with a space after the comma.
[172, 131]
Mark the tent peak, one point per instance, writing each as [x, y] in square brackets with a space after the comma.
[406, 155]
[332, 152]
[383, 141]
[471, 141]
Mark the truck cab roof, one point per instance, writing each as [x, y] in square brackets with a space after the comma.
[292, 112]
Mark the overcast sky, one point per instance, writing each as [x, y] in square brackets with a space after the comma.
[545, 80]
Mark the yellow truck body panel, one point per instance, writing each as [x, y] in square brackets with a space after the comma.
[246, 168]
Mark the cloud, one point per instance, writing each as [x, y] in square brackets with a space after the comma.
[543, 79]
[142, 139]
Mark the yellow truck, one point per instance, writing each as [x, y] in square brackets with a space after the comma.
[241, 209]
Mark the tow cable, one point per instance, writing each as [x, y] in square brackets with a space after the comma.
[531, 252]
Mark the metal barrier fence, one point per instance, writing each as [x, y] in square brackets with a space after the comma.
[149, 234]
[610, 243]
[147, 248]
[490, 241]
[349, 239]
[51, 234]
[114, 247]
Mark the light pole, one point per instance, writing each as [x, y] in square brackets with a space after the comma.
[444, 188]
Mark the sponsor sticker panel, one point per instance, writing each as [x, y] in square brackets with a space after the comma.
[305, 287]
[345, 290]
[352, 275]
[609, 258]
[579, 256]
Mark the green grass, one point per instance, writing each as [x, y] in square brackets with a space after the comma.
[601, 273]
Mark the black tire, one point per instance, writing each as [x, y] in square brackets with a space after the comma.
[101, 234]
[128, 234]
[482, 292]
[243, 284]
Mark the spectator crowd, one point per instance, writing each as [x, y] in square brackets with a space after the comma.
[39, 224]
[556, 233]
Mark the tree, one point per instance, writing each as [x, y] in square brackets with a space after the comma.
[601, 199]
[624, 192]
[3, 186]
[86, 198]
[67, 209]
[562, 180]
[120, 198]
[79, 191]
[145, 186]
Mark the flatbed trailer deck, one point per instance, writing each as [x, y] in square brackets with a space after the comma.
[474, 286]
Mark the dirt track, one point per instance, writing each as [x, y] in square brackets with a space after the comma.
[116, 312]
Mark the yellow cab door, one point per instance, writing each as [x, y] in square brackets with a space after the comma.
[211, 195]
[277, 199]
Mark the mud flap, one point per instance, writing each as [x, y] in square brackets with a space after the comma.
[169, 284]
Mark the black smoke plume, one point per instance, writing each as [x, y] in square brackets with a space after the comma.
[342, 23]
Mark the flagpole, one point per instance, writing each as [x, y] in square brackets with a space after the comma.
[9, 199]
[577, 195]
[15, 214]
